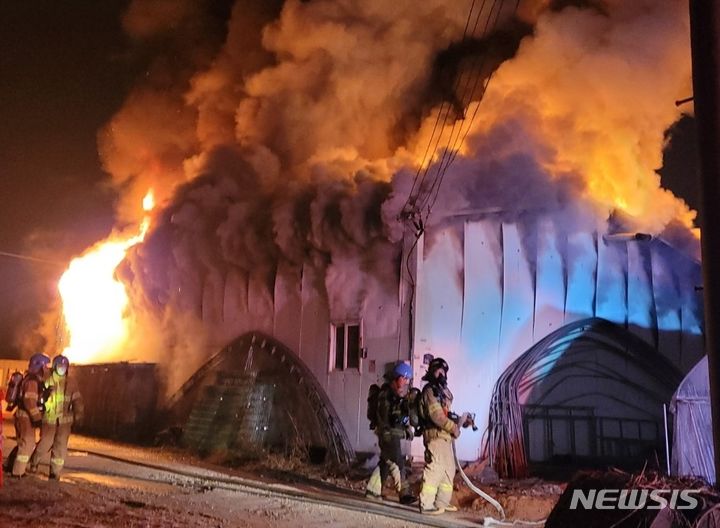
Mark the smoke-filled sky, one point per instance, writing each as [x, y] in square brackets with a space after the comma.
[64, 69]
[99, 100]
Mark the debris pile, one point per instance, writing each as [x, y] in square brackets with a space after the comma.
[650, 505]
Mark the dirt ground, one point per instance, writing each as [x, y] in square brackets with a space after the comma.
[99, 490]
[91, 501]
[95, 492]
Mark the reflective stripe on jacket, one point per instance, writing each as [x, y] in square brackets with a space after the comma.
[30, 390]
[64, 404]
[391, 413]
[437, 406]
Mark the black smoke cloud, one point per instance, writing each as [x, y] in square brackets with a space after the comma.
[295, 141]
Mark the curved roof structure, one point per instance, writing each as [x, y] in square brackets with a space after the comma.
[592, 360]
[257, 393]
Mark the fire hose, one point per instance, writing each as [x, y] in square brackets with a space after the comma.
[495, 504]
[488, 521]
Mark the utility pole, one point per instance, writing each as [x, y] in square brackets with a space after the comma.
[705, 43]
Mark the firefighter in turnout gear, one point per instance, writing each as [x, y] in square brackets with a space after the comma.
[63, 408]
[438, 435]
[391, 427]
[29, 412]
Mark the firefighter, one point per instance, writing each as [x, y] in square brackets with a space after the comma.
[391, 426]
[438, 435]
[29, 412]
[63, 408]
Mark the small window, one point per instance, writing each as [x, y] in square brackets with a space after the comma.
[345, 346]
[340, 347]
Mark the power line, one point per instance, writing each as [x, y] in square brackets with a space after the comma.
[30, 258]
[447, 106]
[451, 151]
[464, 80]
[451, 148]
[444, 111]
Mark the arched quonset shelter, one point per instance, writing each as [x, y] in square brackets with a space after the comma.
[256, 394]
[489, 290]
[693, 451]
[590, 390]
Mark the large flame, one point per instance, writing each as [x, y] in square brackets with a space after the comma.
[95, 303]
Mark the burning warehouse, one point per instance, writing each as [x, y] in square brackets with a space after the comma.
[360, 183]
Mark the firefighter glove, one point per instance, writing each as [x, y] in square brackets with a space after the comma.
[409, 433]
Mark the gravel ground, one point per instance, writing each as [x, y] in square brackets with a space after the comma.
[175, 489]
[95, 492]
[90, 500]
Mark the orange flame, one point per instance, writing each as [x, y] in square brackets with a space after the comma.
[94, 302]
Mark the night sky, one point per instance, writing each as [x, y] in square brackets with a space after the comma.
[65, 69]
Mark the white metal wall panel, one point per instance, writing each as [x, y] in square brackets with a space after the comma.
[641, 304]
[315, 323]
[233, 317]
[516, 327]
[482, 307]
[549, 282]
[260, 301]
[420, 338]
[442, 305]
[380, 316]
[611, 291]
[667, 302]
[442, 296]
[235, 305]
[581, 264]
[345, 393]
[288, 306]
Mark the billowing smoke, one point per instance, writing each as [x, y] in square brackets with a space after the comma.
[294, 135]
[581, 107]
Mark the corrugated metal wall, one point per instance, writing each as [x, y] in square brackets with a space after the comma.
[297, 311]
[488, 290]
[120, 399]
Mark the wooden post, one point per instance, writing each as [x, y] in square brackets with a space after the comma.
[705, 43]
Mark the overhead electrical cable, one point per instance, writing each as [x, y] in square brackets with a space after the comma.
[453, 150]
[444, 112]
[447, 106]
[410, 210]
[461, 85]
[30, 258]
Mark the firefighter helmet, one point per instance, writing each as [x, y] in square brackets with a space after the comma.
[38, 362]
[437, 363]
[402, 369]
[60, 365]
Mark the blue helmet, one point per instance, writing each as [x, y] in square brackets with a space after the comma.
[60, 365]
[402, 369]
[38, 362]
